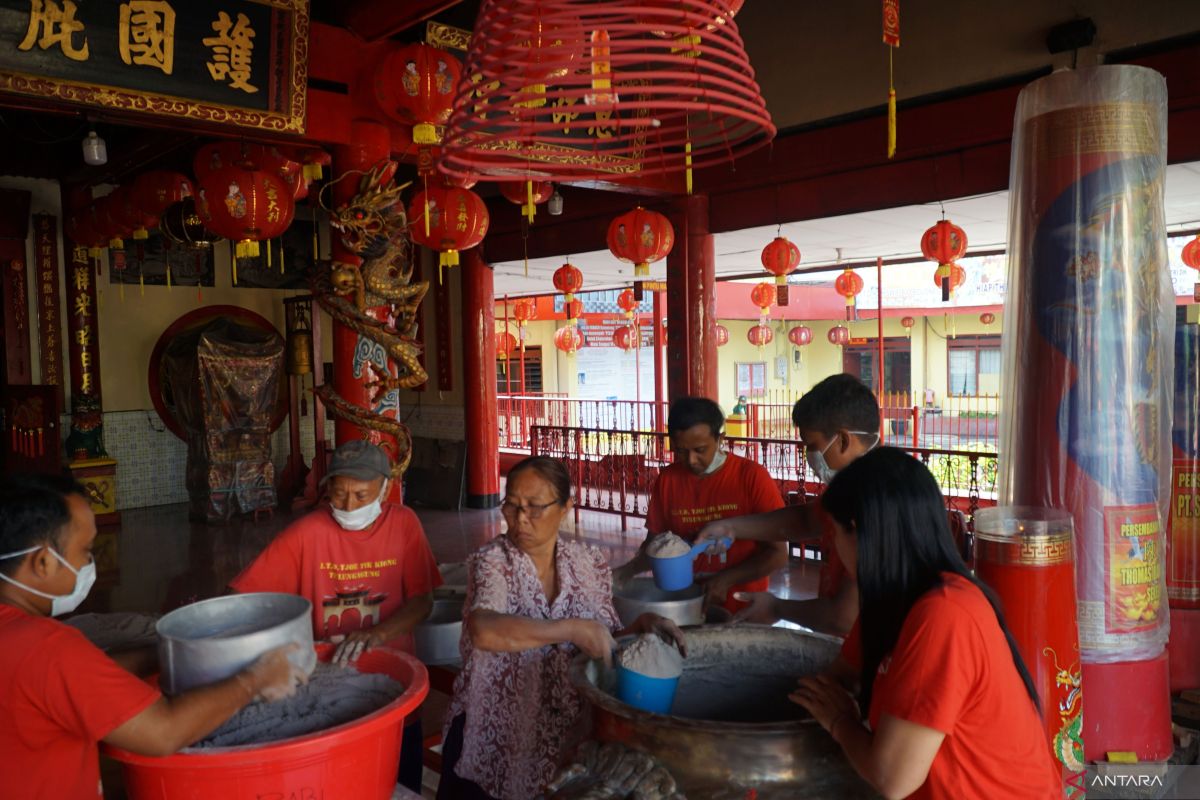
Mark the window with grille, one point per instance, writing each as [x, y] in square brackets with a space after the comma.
[508, 372]
[751, 378]
[973, 365]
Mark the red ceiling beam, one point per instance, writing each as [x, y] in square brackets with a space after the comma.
[373, 20]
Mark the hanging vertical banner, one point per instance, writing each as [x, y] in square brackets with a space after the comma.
[891, 23]
[445, 365]
[16, 312]
[81, 327]
[45, 250]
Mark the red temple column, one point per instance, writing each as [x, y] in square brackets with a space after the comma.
[372, 145]
[692, 302]
[479, 381]
[660, 336]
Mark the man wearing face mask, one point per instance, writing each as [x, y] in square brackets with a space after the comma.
[705, 483]
[838, 421]
[363, 563]
[62, 695]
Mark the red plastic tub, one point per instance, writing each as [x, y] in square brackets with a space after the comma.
[354, 761]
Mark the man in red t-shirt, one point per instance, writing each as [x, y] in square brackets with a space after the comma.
[62, 695]
[838, 421]
[364, 564]
[704, 484]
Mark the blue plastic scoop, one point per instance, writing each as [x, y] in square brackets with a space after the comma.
[675, 573]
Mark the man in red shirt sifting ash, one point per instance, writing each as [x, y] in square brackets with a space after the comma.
[363, 563]
[62, 695]
[704, 483]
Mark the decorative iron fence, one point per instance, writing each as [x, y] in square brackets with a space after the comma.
[613, 470]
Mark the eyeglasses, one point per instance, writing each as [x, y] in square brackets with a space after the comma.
[531, 511]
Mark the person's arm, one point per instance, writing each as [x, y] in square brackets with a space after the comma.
[766, 558]
[895, 760]
[781, 525]
[172, 723]
[139, 661]
[494, 632]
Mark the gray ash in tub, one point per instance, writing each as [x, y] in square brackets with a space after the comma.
[333, 696]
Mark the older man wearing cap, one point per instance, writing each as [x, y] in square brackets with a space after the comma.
[363, 563]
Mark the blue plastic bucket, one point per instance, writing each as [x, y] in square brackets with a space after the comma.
[655, 695]
[675, 573]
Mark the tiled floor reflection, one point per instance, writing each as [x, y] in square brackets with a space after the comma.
[158, 560]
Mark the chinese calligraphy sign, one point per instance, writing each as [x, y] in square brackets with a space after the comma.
[240, 62]
[45, 249]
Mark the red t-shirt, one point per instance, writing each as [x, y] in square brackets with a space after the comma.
[833, 572]
[61, 696]
[354, 579]
[682, 502]
[952, 670]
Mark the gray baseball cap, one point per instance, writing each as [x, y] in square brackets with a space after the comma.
[360, 460]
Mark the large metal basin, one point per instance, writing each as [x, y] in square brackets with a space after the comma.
[436, 639]
[732, 728]
[214, 639]
[639, 595]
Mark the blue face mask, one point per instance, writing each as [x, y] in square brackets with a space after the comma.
[85, 577]
[816, 458]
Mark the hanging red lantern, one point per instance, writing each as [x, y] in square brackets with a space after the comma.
[760, 335]
[157, 190]
[987, 318]
[568, 339]
[958, 276]
[722, 335]
[839, 335]
[763, 296]
[781, 257]
[414, 85]
[944, 243]
[505, 343]
[623, 338]
[907, 323]
[457, 220]
[627, 303]
[312, 160]
[573, 310]
[527, 195]
[800, 335]
[568, 280]
[1191, 257]
[640, 237]
[848, 285]
[245, 206]
[524, 310]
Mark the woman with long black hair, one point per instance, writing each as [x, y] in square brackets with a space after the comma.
[952, 710]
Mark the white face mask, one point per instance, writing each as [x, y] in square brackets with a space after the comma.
[816, 459]
[362, 517]
[85, 577]
[716, 463]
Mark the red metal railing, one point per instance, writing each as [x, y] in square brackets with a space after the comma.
[518, 414]
[613, 470]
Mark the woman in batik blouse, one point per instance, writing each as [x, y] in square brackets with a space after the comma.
[534, 600]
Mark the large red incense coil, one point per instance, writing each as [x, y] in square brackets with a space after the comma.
[567, 90]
